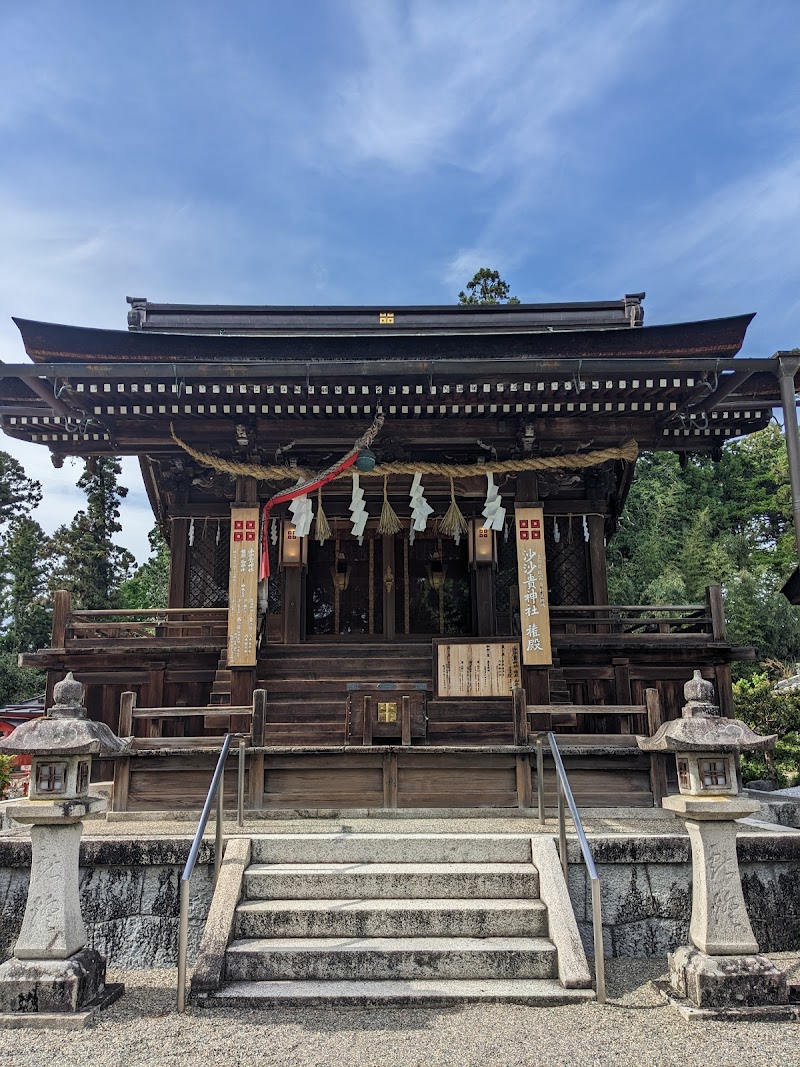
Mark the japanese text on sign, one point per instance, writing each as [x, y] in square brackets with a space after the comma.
[533, 600]
[243, 588]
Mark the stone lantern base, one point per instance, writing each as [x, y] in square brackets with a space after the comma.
[64, 993]
[726, 981]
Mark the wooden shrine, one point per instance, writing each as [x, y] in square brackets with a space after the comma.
[436, 601]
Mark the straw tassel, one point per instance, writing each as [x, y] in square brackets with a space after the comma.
[322, 528]
[389, 522]
[453, 524]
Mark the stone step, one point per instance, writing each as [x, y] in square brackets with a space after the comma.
[381, 958]
[391, 848]
[430, 992]
[315, 881]
[391, 918]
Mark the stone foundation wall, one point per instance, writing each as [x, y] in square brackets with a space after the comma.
[130, 893]
[130, 897]
[646, 891]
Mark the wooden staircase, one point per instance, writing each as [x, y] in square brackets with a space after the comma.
[314, 694]
[308, 686]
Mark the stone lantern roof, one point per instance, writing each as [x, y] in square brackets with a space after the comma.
[702, 728]
[65, 730]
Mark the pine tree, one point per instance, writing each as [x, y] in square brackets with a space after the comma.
[88, 562]
[487, 287]
[149, 586]
[18, 493]
[25, 602]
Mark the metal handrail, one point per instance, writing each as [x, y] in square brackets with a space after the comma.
[217, 788]
[565, 792]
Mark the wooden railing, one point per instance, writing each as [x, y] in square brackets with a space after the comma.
[73, 628]
[644, 619]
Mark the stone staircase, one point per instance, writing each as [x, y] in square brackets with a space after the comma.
[363, 918]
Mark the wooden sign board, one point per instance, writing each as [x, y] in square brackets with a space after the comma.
[477, 669]
[243, 588]
[534, 606]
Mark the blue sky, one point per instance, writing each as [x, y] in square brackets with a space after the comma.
[367, 151]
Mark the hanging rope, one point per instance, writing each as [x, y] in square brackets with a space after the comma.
[308, 482]
[629, 451]
[389, 523]
[452, 523]
[322, 528]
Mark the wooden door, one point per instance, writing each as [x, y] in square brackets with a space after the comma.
[345, 591]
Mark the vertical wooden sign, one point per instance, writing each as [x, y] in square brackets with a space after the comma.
[243, 588]
[534, 606]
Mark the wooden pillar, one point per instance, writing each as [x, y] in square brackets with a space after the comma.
[520, 709]
[255, 780]
[597, 558]
[243, 684]
[716, 612]
[524, 783]
[155, 686]
[62, 610]
[389, 579]
[292, 605]
[122, 765]
[658, 767]
[483, 586]
[724, 686]
[258, 724]
[246, 489]
[178, 563]
[622, 690]
[390, 780]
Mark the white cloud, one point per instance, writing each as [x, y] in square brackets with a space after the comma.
[483, 88]
[733, 251]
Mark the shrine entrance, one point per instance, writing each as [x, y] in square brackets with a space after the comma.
[387, 587]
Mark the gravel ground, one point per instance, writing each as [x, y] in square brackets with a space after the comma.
[633, 1028]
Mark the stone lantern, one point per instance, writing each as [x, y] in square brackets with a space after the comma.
[721, 971]
[52, 970]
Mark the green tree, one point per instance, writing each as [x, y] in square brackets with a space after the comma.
[18, 493]
[487, 287]
[705, 523]
[149, 586]
[25, 600]
[88, 562]
[24, 609]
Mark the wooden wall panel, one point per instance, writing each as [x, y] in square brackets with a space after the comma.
[178, 783]
[311, 781]
[457, 781]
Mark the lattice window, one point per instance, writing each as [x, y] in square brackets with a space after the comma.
[209, 562]
[506, 595]
[275, 585]
[209, 559]
[567, 562]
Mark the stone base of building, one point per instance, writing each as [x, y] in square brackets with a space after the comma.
[724, 983]
[35, 989]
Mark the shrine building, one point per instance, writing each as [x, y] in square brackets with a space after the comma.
[385, 522]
